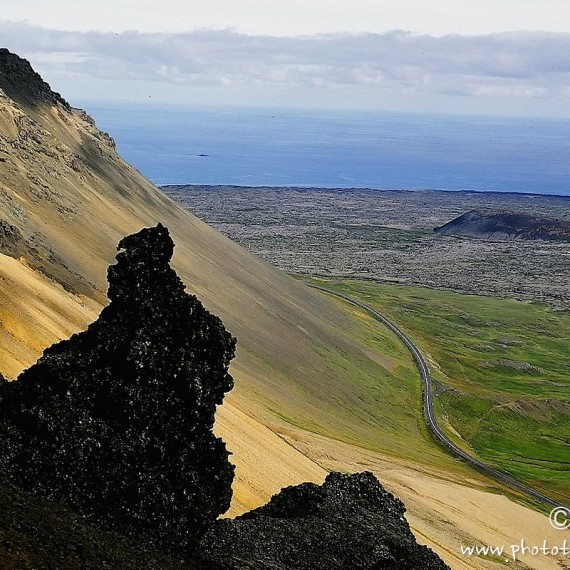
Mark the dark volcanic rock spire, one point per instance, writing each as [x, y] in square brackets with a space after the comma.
[117, 421]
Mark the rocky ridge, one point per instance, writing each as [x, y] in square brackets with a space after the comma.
[21, 83]
[36, 157]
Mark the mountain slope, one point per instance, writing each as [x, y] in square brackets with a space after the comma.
[318, 384]
[66, 199]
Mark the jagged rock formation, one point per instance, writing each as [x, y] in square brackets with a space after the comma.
[506, 225]
[117, 421]
[348, 522]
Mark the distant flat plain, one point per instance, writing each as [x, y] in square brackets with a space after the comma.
[387, 236]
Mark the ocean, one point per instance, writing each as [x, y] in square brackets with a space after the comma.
[341, 149]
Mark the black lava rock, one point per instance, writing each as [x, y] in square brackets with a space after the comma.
[117, 421]
[350, 521]
[37, 534]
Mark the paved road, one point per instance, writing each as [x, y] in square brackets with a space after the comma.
[428, 412]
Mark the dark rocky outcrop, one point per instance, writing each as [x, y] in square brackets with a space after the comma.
[348, 522]
[106, 443]
[11, 240]
[37, 534]
[506, 225]
[23, 85]
[117, 421]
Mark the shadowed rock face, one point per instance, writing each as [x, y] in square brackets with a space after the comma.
[11, 239]
[22, 84]
[117, 421]
[348, 522]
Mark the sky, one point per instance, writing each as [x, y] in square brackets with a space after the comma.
[507, 57]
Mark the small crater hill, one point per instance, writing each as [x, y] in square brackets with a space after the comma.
[506, 225]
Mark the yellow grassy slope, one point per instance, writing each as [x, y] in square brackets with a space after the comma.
[62, 184]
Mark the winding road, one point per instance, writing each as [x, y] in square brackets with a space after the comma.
[428, 412]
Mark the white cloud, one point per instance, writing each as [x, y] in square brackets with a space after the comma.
[522, 65]
[294, 17]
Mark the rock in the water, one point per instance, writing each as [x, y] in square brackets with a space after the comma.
[350, 521]
[117, 421]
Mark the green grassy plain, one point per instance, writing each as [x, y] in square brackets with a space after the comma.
[367, 395]
[505, 366]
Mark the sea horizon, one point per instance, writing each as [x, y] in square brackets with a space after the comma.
[250, 147]
[362, 189]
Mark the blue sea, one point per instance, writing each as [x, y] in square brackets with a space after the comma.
[341, 149]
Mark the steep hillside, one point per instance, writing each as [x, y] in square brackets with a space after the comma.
[318, 385]
[66, 199]
[506, 225]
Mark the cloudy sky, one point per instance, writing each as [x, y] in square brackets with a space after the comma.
[503, 57]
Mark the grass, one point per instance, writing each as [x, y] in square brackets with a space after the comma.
[368, 394]
[506, 369]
